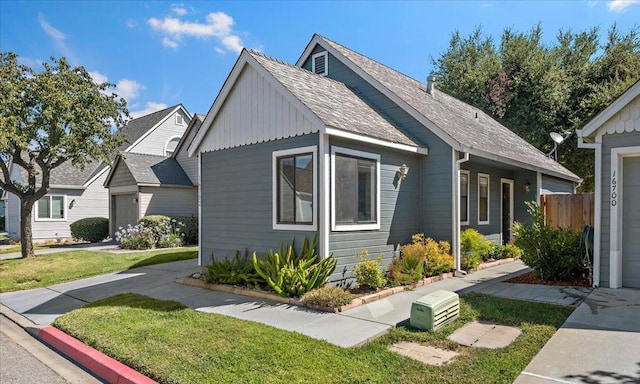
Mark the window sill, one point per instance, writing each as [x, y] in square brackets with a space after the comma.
[355, 227]
[49, 220]
[294, 227]
[483, 223]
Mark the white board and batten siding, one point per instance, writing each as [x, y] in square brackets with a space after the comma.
[155, 142]
[168, 201]
[254, 112]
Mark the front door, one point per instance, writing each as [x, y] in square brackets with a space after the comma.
[506, 209]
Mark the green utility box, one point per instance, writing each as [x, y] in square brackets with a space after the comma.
[435, 310]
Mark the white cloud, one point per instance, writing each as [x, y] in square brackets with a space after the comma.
[98, 77]
[167, 42]
[131, 23]
[30, 62]
[125, 88]
[59, 37]
[179, 9]
[218, 25]
[150, 107]
[621, 5]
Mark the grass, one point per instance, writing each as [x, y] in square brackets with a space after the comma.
[45, 270]
[175, 344]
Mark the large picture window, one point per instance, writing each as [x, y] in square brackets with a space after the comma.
[294, 189]
[51, 208]
[483, 198]
[464, 197]
[356, 190]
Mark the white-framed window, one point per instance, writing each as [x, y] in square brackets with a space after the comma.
[294, 189]
[179, 119]
[355, 183]
[464, 197]
[171, 145]
[320, 63]
[483, 198]
[51, 208]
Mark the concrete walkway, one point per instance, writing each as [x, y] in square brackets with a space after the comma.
[110, 246]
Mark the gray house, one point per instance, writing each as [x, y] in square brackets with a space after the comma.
[77, 194]
[614, 134]
[348, 148]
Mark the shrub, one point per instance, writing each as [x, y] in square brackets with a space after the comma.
[190, 229]
[135, 237]
[508, 251]
[330, 297]
[474, 248]
[407, 268]
[2, 223]
[290, 274]
[166, 232]
[170, 240]
[91, 229]
[552, 252]
[236, 271]
[436, 255]
[368, 272]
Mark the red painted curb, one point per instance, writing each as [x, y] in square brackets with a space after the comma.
[97, 362]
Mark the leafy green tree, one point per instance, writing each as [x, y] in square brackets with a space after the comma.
[48, 118]
[535, 88]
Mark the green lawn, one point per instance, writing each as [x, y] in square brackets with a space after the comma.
[175, 344]
[44, 270]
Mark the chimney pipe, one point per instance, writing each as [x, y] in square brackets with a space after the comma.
[431, 84]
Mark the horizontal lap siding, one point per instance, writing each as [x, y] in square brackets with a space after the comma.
[121, 176]
[400, 216]
[236, 199]
[555, 185]
[155, 143]
[608, 143]
[168, 201]
[521, 179]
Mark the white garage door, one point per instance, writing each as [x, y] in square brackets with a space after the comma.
[631, 222]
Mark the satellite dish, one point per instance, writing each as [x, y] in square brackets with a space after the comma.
[556, 137]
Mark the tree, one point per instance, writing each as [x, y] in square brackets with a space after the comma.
[534, 89]
[48, 118]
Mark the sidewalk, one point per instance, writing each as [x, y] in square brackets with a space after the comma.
[110, 246]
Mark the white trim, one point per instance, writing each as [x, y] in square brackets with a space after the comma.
[324, 161]
[166, 144]
[468, 173]
[511, 205]
[371, 140]
[180, 123]
[364, 155]
[617, 211]
[455, 209]
[539, 187]
[326, 63]
[149, 131]
[597, 227]
[613, 108]
[486, 222]
[274, 184]
[64, 206]
[199, 211]
[94, 178]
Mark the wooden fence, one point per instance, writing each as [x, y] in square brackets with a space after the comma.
[574, 211]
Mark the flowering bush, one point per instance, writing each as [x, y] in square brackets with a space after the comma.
[135, 237]
[165, 233]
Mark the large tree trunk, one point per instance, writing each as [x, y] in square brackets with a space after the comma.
[26, 235]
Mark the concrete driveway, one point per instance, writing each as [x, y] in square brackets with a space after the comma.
[599, 343]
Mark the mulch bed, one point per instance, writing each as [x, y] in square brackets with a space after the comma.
[569, 280]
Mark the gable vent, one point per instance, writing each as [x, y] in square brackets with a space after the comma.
[319, 63]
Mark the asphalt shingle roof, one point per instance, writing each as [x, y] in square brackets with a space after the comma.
[333, 102]
[456, 118]
[67, 173]
[134, 129]
[154, 169]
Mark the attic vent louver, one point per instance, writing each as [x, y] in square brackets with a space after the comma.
[319, 63]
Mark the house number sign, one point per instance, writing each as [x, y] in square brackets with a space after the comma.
[614, 189]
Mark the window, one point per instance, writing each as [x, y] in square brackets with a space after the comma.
[179, 119]
[51, 208]
[483, 198]
[356, 190]
[171, 145]
[319, 63]
[464, 197]
[294, 182]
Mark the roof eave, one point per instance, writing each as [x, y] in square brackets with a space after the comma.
[601, 118]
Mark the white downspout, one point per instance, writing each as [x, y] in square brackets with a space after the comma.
[199, 155]
[456, 209]
[323, 182]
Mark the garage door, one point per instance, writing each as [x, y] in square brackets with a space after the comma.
[126, 210]
[631, 222]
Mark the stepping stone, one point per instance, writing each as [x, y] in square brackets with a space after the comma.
[485, 335]
[422, 353]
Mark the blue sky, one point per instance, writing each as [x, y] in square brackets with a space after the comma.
[161, 53]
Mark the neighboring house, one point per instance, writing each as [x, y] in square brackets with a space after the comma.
[142, 184]
[79, 193]
[2, 203]
[321, 147]
[614, 134]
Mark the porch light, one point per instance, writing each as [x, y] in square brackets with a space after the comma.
[527, 187]
[402, 172]
[134, 200]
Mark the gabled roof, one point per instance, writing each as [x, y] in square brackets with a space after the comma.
[628, 96]
[151, 170]
[68, 175]
[138, 128]
[462, 126]
[190, 133]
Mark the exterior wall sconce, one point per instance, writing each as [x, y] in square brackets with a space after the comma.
[72, 203]
[527, 187]
[134, 200]
[402, 172]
